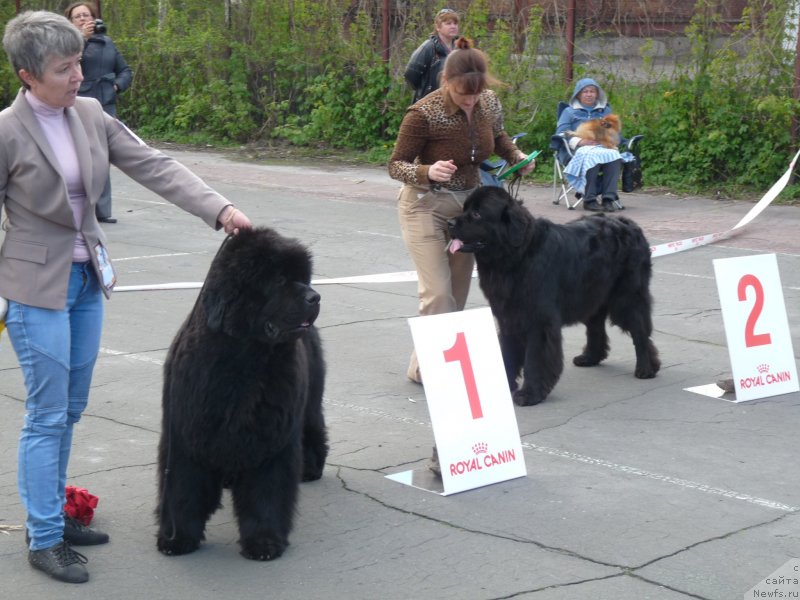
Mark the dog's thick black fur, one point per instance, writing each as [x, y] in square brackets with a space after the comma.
[539, 276]
[242, 398]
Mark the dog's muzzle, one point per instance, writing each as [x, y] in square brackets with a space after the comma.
[458, 245]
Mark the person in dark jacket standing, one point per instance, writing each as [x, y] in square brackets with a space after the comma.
[425, 65]
[105, 73]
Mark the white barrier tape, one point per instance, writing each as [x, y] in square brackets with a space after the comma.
[184, 285]
[398, 277]
[407, 276]
[688, 244]
[695, 242]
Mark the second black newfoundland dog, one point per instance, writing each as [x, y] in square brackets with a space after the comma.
[242, 398]
[539, 276]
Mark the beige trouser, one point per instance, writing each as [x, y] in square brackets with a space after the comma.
[444, 278]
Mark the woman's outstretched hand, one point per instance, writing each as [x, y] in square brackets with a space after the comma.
[232, 220]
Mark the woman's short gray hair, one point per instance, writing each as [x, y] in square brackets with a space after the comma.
[33, 37]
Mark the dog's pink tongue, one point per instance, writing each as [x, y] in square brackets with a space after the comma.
[455, 245]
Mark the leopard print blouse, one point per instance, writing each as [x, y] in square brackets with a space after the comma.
[436, 129]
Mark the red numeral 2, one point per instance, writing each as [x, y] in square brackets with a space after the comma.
[750, 337]
[460, 353]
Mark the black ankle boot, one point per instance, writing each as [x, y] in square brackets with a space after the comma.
[592, 205]
[78, 534]
[608, 205]
[60, 562]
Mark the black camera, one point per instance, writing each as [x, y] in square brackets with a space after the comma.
[100, 27]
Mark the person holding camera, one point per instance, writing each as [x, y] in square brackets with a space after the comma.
[105, 75]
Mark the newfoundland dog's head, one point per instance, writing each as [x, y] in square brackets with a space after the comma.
[258, 288]
[493, 224]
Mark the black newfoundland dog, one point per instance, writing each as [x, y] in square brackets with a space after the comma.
[539, 276]
[242, 398]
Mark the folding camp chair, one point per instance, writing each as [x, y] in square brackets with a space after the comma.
[563, 154]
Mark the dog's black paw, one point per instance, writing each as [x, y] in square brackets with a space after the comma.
[586, 360]
[176, 546]
[526, 397]
[311, 473]
[312, 468]
[266, 548]
[646, 371]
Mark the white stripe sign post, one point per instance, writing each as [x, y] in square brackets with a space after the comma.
[473, 418]
[756, 327]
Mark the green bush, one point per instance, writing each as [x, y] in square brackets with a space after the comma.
[724, 120]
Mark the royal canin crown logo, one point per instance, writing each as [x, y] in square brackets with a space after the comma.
[765, 377]
[480, 448]
[481, 459]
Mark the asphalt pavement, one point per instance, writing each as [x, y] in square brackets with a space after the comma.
[635, 489]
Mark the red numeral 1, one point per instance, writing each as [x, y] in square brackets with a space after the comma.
[460, 353]
[750, 337]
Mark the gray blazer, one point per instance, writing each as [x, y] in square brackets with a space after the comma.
[36, 253]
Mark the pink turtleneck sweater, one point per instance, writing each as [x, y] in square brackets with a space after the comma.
[53, 122]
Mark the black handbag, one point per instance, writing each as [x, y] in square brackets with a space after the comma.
[632, 174]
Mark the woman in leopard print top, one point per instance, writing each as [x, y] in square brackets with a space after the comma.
[442, 140]
[436, 127]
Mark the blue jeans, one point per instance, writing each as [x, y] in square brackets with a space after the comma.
[57, 350]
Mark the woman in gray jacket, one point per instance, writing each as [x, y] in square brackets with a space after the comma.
[55, 150]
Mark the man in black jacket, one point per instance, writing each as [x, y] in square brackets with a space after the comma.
[425, 65]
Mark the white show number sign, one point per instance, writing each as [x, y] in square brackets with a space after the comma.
[756, 327]
[473, 417]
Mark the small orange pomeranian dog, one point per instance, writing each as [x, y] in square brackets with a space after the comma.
[605, 131]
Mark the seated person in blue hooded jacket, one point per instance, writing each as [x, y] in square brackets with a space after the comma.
[589, 101]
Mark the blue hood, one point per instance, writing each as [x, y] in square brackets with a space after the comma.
[602, 99]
